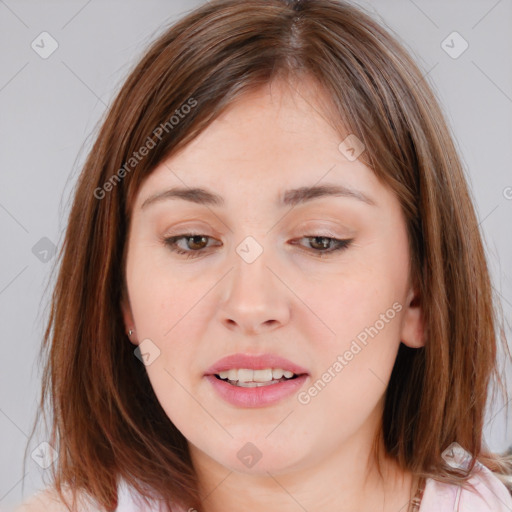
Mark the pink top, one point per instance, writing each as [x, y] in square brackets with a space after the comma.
[442, 497]
[437, 497]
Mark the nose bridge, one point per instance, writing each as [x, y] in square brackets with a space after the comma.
[254, 297]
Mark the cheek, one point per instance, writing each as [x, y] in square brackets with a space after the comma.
[362, 352]
[354, 365]
[361, 311]
[354, 302]
[170, 387]
[159, 298]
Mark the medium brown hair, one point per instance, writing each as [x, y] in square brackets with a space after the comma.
[106, 420]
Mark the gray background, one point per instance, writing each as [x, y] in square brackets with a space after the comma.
[50, 107]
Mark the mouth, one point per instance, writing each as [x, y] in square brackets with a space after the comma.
[255, 381]
[248, 378]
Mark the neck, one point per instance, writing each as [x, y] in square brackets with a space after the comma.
[343, 482]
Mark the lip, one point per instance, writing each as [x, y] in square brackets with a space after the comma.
[254, 362]
[258, 396]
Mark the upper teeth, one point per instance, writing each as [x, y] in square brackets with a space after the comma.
[247, 375]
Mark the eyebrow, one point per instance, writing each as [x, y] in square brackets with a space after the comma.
[290, 197]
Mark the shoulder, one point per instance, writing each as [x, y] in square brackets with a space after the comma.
[489, 495]
[48, 500]
[129, 500]
[43, 501]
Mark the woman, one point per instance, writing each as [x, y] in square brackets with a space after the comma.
[273, 292]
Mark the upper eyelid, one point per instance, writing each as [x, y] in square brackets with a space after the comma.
[310, 231]
[179, 236]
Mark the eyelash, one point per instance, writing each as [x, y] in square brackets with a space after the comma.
[171, 242]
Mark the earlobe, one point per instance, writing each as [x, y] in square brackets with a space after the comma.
[128, 321]
[412, 333]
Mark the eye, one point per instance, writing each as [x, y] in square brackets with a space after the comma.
[197, 243]
[320, 243]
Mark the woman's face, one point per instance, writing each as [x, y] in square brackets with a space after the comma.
[263, 284]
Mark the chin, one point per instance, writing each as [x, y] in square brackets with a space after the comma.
[261, 456]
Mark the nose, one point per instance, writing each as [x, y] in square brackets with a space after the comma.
[255, 297]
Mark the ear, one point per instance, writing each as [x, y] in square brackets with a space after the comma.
[412, 333]
[128, 320]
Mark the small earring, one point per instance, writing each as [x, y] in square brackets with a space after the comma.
[130, 332]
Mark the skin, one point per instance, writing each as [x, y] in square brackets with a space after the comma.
[289, 301]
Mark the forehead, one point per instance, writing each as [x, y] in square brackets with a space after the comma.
[274, 138]
[276, 117]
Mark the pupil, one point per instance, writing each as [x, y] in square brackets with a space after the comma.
[325, 240]
[195, 239]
